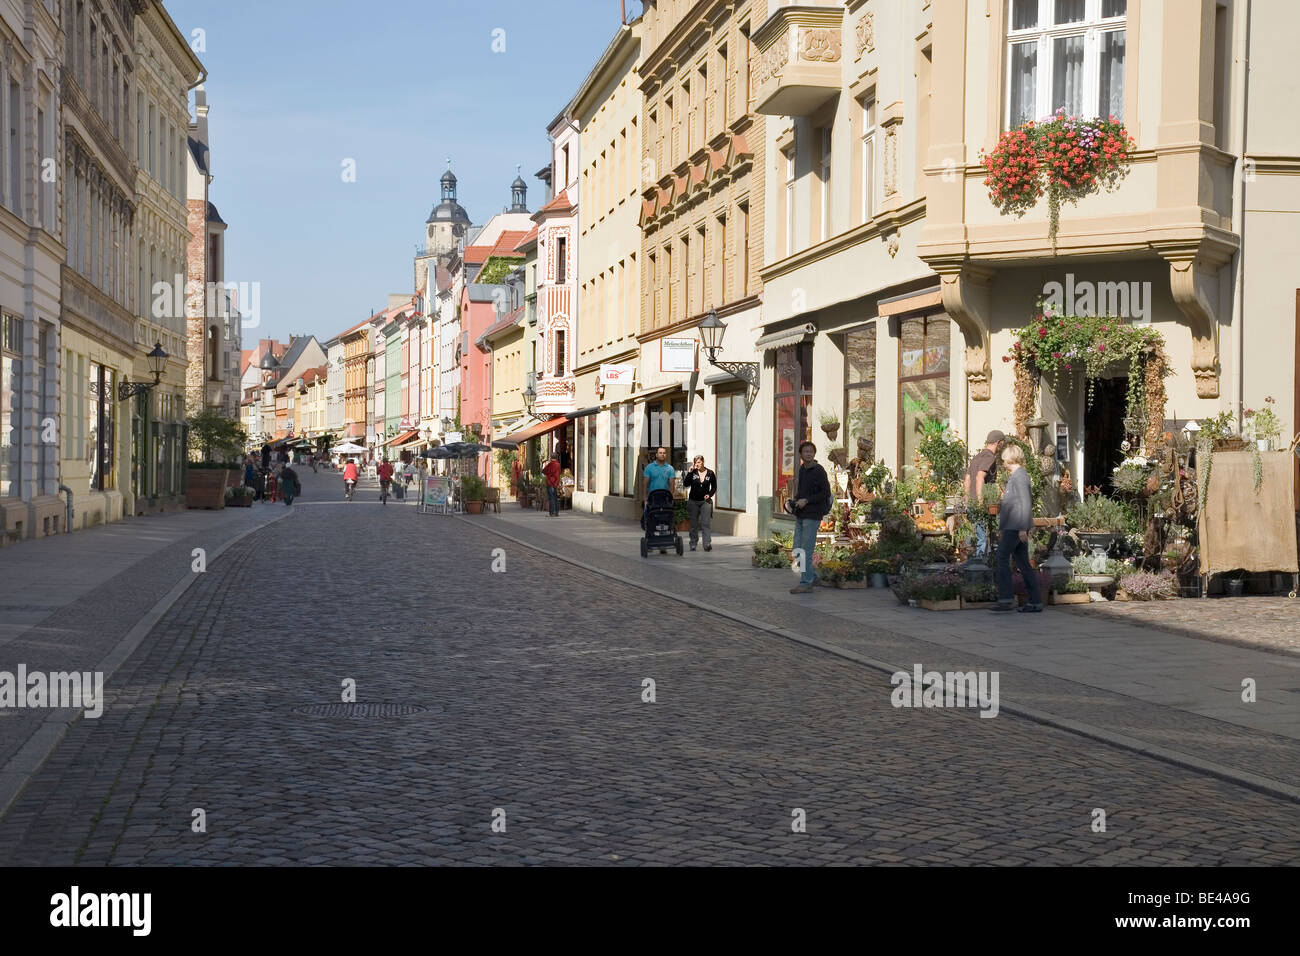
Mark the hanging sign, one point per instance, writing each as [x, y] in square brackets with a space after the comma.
[617, 374]
[677, 355]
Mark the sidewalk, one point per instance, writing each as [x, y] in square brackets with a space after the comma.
[83, 601]
[1178, 695]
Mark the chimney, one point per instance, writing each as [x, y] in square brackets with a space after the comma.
[201, 115]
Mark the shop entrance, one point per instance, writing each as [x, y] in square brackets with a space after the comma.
[1103, 431]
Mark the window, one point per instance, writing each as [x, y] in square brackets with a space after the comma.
[669, 277]
[101, 409]
[561, 260]
[565, 181]
[687, 264]
[581, 458]
[720, 260]
[744, 251]
[153, 125]
[214, 345]
[793, 413]
[825, 180]
[868, 158]
[559, 352]
[725, 106]
[702, 296]
[743, 79]
[591, 453]
[1065, 54]
[15, 149]
[860, 392]
[788, 209]
[11, 404]
[616, 440]
[666, 426]
[42, 187]
[730, 466]
[923, 380]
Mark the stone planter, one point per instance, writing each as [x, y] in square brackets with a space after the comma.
[1059, 598]
[205, 487]
[951, 605]
[525, 501]
[240, 501]
[1098, 539]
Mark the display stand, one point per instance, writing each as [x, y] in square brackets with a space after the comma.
[436, 496]
[1242, 529]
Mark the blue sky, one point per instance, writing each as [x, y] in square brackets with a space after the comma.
[296, 87]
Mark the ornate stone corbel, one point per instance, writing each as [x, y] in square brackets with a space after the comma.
[967, 300]
[1194, 285]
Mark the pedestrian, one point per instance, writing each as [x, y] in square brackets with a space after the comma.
[289, 484]
[272, 488]
[811, 502]
[983, 470]
[552, 471]
[1015, 521]
[385, 472]
[266, 457]
[657, 476]
[702, 485]
[516, 478]
[250, 473]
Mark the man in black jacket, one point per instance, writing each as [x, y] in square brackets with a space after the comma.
[811, 502]
[702, 484]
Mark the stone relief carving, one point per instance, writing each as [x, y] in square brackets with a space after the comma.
[865, 31]
[823, 45]
[770, 63]
[891, 160]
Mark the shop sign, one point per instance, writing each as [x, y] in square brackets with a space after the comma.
[676, 355]
[617, 374]
[453, 436]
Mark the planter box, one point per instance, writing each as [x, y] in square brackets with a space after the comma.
[205, 487]
[245, 502]
[1083, 598]
[953, 605]
[853, 583]
[975, 605]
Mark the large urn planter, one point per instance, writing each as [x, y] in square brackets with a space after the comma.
[473, 506]
[1098, 539]
[205, 487]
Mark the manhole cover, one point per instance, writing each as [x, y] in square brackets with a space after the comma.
[362, 710]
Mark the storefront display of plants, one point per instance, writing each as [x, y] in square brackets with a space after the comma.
[1146, 586]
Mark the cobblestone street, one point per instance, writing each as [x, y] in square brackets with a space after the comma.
[517, 697]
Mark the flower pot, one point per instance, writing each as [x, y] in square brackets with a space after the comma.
[879, 580]
[525, 501]
[474, 507]
[1232, 587]
[1099, 539]
[993, 509]
[831, 430]
[953, 604]
[1083, 598]
[683, 525]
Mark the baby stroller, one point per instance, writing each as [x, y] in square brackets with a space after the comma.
[660, 529]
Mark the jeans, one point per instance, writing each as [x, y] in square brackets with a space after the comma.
[701, 513]
[1010, 546]
[981, 541]
[805, 540]
[553, 499]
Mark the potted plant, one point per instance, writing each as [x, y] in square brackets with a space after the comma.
[838, 456]
[767, 554]
[1072, 592]
[939, 592]
[981, 594]
[877, 569]
[681, 516]
[830, 422]
[831, 571]
[1100, 522]
[241, 496]
[472, 489]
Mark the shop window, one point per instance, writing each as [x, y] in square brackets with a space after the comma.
[101, 409]
[792, 418]
[11, 391]
[592, 453]
[666, 426]
[628, 441]
[731, 437]
[615, 444]
[923, 380]
[860, 391]
[580, 476]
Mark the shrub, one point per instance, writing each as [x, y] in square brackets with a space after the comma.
[982, 592]
[1099, 514]
[1083, 565]
[767, 546]
[1071, 587]
[1145, 586]
[943, 586]
[773, 559]
[472, 487]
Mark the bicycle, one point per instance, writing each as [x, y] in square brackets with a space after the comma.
[351, 486]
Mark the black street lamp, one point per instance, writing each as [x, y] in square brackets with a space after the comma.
[530, 399]
[712, 329]
[157, 362]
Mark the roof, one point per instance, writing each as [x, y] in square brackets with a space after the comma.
[477, 255]
[559, 204]
[200, 153]
[529, 241]
[213, 215]
[245, 359]
[296, 348]
[509, 320]
[312, 374]
[506, 242]
[364, 322]
[391, 329]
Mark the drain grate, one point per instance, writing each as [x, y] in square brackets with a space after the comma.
[363, 710]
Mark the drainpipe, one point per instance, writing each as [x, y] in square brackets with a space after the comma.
[67, 521]
[1241, 64]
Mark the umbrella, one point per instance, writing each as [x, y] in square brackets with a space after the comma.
[456, 449]
[439, 452]
[348, 448]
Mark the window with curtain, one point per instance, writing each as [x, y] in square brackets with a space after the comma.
[860, 392]
[1065, 53]
[730, 466]
[924, 363]
[793, 415]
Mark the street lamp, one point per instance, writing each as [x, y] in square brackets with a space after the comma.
[157, 362]
[530, 399]
[712, 329]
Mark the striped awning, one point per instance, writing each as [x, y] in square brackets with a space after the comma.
[775, 340]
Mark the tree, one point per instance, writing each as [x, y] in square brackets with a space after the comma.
[213, 435]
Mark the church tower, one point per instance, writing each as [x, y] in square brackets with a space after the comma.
[446, 226]
[518, 193]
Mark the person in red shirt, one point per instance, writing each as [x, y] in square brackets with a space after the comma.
[385, 472]
[350, 478]
[552, 472]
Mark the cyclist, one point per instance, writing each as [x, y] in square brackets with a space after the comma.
[350, 478]
[385, 472]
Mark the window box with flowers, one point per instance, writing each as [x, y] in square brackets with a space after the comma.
[1063, 156]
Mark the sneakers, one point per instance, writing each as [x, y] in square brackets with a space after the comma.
[1002, 608]
[801, 589]
[1031, 609]
[693, 548]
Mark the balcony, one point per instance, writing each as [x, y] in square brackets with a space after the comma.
[797, 68]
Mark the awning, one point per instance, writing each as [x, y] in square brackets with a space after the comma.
[404, 438]
[648, 393]
[584, 412]
[515, 439]
[775, 340]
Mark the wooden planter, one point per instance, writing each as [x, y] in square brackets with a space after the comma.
[853, 583]
[1058, 598]
[976, 605]
[928, 605]
[205, 487]
[245, 501]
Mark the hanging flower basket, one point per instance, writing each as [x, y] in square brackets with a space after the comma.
[1063, 156]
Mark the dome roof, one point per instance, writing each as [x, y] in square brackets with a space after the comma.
[449, 178]
[519, 183]
[448, 211]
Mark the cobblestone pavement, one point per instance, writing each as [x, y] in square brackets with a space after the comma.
[531, 684]
[1267, 622]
